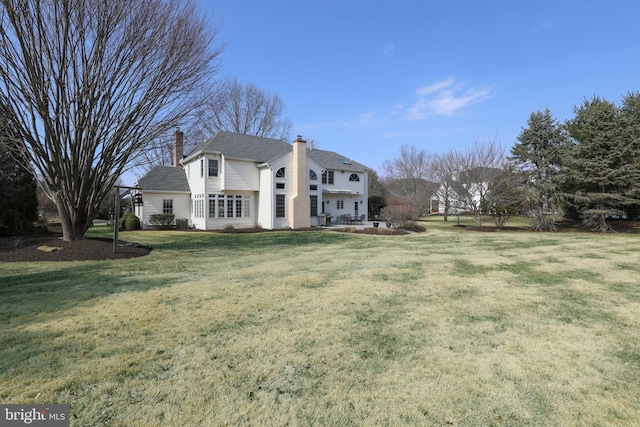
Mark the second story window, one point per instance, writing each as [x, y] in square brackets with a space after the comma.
[213, 167]
[327, 177]
[354, 178]
[280, 173]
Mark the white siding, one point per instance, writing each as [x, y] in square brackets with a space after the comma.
[239, 176]
[357, 192]
[265, 209]
[152, 204]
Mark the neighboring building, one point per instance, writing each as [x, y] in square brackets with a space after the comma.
[467, 191]
[246, 181]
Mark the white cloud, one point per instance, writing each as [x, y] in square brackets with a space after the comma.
[445, 98]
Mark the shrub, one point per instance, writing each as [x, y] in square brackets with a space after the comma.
[400, 216]
[130, 222]
[162, 221]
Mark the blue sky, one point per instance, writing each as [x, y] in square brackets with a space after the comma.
[364, 77]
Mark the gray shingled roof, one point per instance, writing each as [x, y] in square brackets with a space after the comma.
[164, 178]
[263, 150]
[239, 146]
[333, 161]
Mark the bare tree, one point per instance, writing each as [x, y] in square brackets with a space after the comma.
[478, 166]
[90, 84]
[409, 172]
[444, 168]
[245, 109]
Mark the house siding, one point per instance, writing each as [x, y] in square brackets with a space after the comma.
[240, 176]
[152, 204]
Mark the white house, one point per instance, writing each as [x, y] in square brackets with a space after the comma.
[246, 181]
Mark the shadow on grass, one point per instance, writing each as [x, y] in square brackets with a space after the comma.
[30, 297]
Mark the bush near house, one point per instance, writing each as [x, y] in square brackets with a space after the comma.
[400, 216]
[130, 222]
[162, 221]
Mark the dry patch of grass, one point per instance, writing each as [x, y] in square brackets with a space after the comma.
[445, 327]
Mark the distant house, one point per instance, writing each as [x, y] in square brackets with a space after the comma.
[466, 191]
[246, 181]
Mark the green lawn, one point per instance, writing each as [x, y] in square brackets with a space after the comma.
[447, 327]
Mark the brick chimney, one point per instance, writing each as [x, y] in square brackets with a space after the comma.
[299, 202]
[178, 147]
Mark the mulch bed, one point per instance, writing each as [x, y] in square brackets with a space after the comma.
[25, 248]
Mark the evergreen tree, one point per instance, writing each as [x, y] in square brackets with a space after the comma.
[18, 199]
[537, 156]
[602, 168]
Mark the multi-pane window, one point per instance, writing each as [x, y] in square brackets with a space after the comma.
[340, 204]
[280, 206]
[213, 167]
[313, 176]
[198, 205]
[229, 206]
[280, 185]
[314, 205]
[238, 206]
[221, 210]
[354, 177]
[280, 173]
[167, 206]
[327, 177]
[313, 187]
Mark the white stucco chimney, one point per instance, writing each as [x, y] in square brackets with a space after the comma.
[178, 147]
[299, 203]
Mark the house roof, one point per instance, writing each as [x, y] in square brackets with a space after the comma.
[241, 146]
[164, 178]
[264, 150]
[334, 161]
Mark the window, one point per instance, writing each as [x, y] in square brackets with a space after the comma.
[247, 206]
[212, 206]
[201, 168]
[220, 207]
[313, 176]
[198, 205]
[345, 161]
[280, 173]
[213, 167]
[279, 205]
[280, 185]
[167, 206]
[229, 206]
[313, 187]
[340, 204]
[354, 178]
[238, 206]
[327, 177]
[314, 205]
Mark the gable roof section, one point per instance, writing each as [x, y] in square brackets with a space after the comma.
[263, 150]
[333, 161]
[164, 178]
[239, 146]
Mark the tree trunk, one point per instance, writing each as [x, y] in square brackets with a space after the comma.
[74, 221]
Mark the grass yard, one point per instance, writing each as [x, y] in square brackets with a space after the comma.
[443, 328]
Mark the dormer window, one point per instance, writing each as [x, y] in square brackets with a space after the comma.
[280, 173]
[354, 178]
